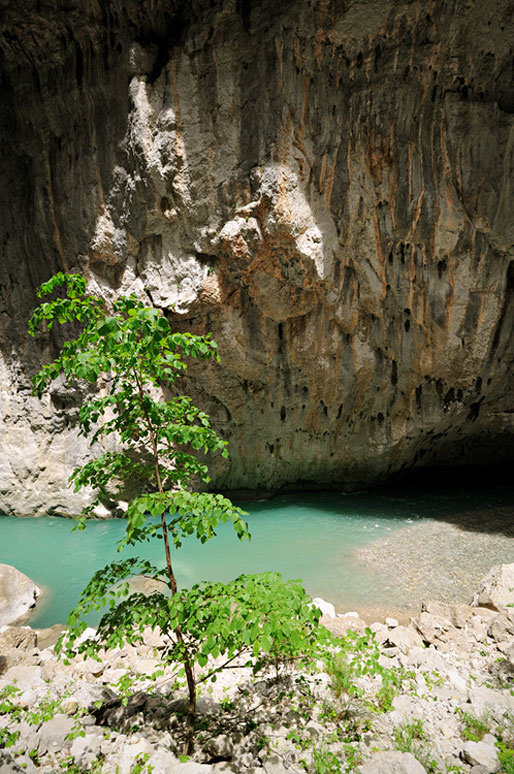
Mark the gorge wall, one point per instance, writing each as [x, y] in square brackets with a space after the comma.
[326, 185]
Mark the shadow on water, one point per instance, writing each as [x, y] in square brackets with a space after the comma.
[471, 508]
[472, 498]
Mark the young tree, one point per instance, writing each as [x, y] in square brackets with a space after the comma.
[133, 356]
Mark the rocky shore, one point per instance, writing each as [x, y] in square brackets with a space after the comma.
[440, 559]
[433, 696]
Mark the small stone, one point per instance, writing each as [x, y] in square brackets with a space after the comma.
[101, 512]
[391, 622]
[70, 707]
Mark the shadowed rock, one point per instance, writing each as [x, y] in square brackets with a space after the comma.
[324, 186]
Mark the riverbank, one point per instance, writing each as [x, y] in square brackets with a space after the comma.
[441, 559]
[432, 697]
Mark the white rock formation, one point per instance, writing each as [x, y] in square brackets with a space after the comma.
[18, 595]
[496, 590]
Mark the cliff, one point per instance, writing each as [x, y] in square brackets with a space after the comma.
[326, 186]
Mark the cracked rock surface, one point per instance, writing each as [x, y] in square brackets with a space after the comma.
[324, 186]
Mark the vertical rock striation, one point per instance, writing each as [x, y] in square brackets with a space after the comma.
[324, 185]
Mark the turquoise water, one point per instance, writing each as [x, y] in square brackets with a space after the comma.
[307, 536]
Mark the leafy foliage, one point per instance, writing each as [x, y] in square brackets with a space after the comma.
[133, 356]
[133, 350]
[244, 617]
[475, 727]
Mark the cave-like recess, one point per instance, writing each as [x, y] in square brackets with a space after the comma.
[326, 186]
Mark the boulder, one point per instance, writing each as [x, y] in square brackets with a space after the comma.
[503, 668]
[404, 638]
[22, 637]
[481, 754]
[17, 644]
[341, 623]
[431, 627]
[327, 608]
[46, 638]
[53, 734]
[8, 764]
[496, 590]
[85, 749]
[392, 762]
[18, 595]
[140, 584]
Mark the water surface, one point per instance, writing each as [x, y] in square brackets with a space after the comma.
[309, 536]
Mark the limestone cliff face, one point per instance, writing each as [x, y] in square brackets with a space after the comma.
[326, 186]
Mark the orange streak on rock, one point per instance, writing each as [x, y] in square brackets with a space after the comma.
[305, 106]
[322, 173]
[380, 255]
[330, 182]
[452, 291]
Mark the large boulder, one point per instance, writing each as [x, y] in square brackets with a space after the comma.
[18, 595]
[481, 754]
[392, 762]
[496, 590]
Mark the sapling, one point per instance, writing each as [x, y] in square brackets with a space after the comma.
[132, 355]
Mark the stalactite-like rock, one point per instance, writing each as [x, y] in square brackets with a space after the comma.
[326, 186]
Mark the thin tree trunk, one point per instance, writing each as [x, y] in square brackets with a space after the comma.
[188, 668]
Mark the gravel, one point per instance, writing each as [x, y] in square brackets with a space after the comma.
[441, 560]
